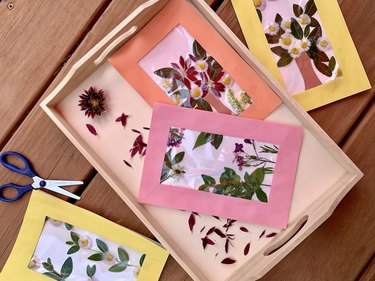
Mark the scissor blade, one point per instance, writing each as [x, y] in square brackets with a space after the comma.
[62, 183]
[62, 191]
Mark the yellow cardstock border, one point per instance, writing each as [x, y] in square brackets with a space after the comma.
[43, 205]
[354, 79]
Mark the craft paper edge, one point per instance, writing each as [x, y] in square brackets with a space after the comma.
[152, 192]
[42, 205]
[322, 94]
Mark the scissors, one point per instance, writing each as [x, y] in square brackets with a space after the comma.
[53, 185]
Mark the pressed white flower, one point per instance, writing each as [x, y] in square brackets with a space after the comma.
[34, 263]
[84, 242]
[227, 81]
[286, 25]
[305, 44]
[295, 52]
[272, 28]
[304, 19]
[323, 44]
[109, 258]
[196, 93]
[178, 172]
[167, 84]
[260, 4]
[201, 65]
[286, 40]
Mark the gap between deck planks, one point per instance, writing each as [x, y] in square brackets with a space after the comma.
[25, 130]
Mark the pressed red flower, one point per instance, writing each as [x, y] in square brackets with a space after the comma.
[92, 102]
[211, 83]
[138, 147]
[123, 119]
[186, 71]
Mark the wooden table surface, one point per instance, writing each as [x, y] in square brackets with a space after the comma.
[41, 39]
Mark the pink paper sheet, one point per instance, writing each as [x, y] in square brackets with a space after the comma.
[273, 213]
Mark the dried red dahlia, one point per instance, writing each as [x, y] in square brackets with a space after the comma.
[92, 102]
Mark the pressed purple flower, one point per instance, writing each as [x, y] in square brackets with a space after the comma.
[92, 102]
[175, 137]
[238, 148]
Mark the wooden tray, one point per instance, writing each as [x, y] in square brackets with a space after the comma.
[325, 174]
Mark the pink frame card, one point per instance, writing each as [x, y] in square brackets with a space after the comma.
[274, 212]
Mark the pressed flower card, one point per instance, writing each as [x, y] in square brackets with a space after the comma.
[60, 241]
[178, 58]
[310, 50]
[221, 165]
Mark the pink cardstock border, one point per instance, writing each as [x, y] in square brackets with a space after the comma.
[274, 213]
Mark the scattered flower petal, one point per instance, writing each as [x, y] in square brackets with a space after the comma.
[127, 164]
[191, 222]
[271, 235]
[220, 233]
[136, 131]
[263, 232]
[228, 261]
[244, 229]
[92, 129]
[246, 249]
[123, 118]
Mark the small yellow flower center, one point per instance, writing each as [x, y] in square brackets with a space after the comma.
[211, 83]
[304, 20]
[227, 80]
[288, 24]
[109, 257]
[339, 72]
[324, 43]
[84, 242]
[272, 28]
[257, 3]
[201, 65]
[176, 100]
[294, 51]
[94, 102]
[305, 44]
[195, 93]
[287, 41]
[166, 83]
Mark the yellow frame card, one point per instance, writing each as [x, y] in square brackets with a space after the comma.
[354, 79]
[43, 205]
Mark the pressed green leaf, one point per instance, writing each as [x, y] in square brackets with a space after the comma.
[67, 267]
[272, 39]
[278, 18]
[164, 174]
[179, 157]
[307, 31]
[118, 267]
[47, 266]
[323, 68]
[167, 159]
[332, 64]
[203, 187]
[74, 236]
[90, 270]
[218, 139]
[166, 72]
[123, 255]
[321, 56]
[229, 176]
[284, 60]
[315, 34]
[256, 177]
[202, 139]
[214, 66]
[260, 15]
[68, 226]
[183, 93]
[102, 245]
[278, 50]
[310, 8]
[142, 259]
[203, 105]
[208, 180]
[314, 22]
[198, 51]
[96, 257]
[73, 249]
[261, 195]
[70, 243]
[53, 276]
[297, 31]
[297, 9]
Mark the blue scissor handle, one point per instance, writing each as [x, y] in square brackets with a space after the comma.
[26, 170]
[21, 190]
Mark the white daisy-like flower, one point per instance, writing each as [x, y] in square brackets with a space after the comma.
[295, 52]
[286, 25]
[109, 258]
[305, 44]
[196, 93]
[178, 172]
[34, 263]
[227, 81]
[201, 65]
[272, 28]
[84, 242]
[304, 19]
[286, 40]
[260, 4]
[167, 84]
[323, 44]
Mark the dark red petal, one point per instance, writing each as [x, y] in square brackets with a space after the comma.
[136, 131]
[219, 76]
[271, 235]
[216, 217]
[246, 249]
[91, 129]
[210, 242]
[263, 232]
[191, 222]
[212, 229]
[228, 261]
[220, 233]
[202, 229]
[182, 62]
[187, 83]
[127, 164]
[244, 229]
[175, 65]
[227, 246]
[146, 128]
[192, 58]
